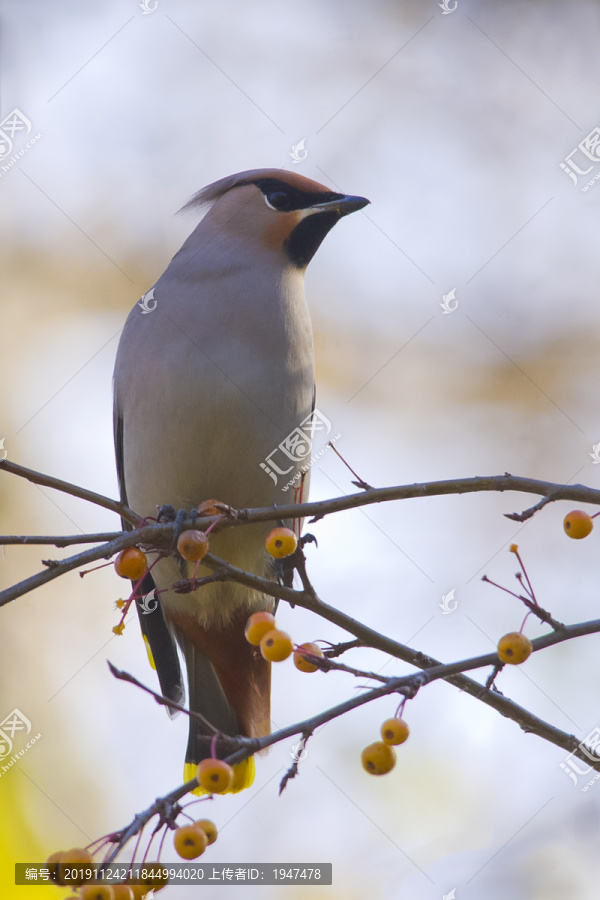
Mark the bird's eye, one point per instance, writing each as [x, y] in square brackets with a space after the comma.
[279, 200]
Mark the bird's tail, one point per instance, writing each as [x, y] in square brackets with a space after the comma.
[229, 685]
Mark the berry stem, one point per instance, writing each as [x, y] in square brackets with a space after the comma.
[212, 525]
[523, 622]
[359, 481]
[85, 572]
[400, 710]
[522, 564]
[134, 591]
[137, 845]
[162, 840]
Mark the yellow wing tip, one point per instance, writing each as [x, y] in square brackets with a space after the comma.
[149, 652]
[243, 776]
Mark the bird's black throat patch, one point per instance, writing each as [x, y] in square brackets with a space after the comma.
[306, 238]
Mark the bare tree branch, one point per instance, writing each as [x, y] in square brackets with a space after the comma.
[67, 488]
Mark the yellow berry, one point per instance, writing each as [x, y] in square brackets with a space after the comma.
[123, 892]
[52, 864]
[119, 629]
[394, 731]
[281, 542]
[190, 841]
[378, 758]
[257, 626]
[578, 524]
[276, 645]
[76, 858]
[193, 545]
[514, 648]
[215, 775]
[209, 828]
[304, 663]
[97, 892]
[131, 563]
[158, 881]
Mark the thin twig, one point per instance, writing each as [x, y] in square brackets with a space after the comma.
[32, 539]
[67, 488]
[162, 700]
[529, 513]
[326, 664]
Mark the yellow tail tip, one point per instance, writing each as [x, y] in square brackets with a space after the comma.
[243, 776]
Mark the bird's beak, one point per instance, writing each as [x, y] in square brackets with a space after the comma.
[342, 205]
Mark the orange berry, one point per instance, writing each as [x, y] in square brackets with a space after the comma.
[394, 731]
[257, 626]
[210, 508]
[190, 841]
[209, 828]
[123, 892]
[131, 563]
[578, 524]
[304, 663]
[281, 542]
[276, 645]
[215, 775]
[192, 545]
[514, 648]
[78, 858]
[378, 758]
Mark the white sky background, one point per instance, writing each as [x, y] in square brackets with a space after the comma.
[454, 126]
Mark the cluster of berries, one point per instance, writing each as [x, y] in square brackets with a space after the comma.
[379, 758]
[276, 645]
[64, 862]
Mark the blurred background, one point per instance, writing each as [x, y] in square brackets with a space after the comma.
[454, 122]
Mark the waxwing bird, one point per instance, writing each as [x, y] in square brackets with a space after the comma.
[208, 384]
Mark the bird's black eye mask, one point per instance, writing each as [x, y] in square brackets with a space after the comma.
[283, 197]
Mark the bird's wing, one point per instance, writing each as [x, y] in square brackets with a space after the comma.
[160, 644]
